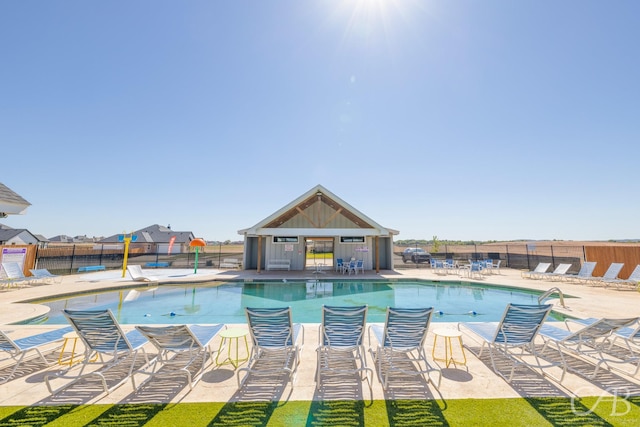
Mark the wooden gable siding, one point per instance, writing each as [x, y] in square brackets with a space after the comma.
[318, 212]
[605, 255]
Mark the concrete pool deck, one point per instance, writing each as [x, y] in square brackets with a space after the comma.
[218, 384]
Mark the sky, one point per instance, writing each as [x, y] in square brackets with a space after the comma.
[465, 120]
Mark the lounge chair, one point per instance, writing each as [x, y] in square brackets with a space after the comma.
[402, 339]
[590, 341]
[341, 351]
[276, 347]
[512, 336]
[45, 276]
[135, 271]
[15, 275]
[633, 281]
[19, 348]
[611, 274]
[584, 274]
[102, 336]
[557, 274]
[542, 267]
[179, 347]
[630, 334]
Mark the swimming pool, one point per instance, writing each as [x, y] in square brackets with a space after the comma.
[225, 303]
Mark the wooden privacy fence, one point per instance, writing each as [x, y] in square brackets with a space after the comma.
[605, 255]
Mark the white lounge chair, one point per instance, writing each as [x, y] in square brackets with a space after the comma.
[591, 341]
[277, 343]
[341, 351]
[14, 275]
[557, 274]
[135, 271]
[611, 274]
[179, 347]
[45, 276]
[401, 340]
[633, 281]
[584, 274]
[106, 346]
[630, 334]
[19, 348]
[542, 267]
[512, 336]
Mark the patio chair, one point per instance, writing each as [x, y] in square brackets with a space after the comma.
[542, 267]
[590, 341]
[492, 266]
[632, 281]
[341, 350]
[402, 340]
[475, 269]
[512, 336]
[135, 271]
[102, 336]
[450, 266]
[179, 347]
[347, 267]
[19, 348]
[339, 264]
[557, 274]
[45, 276]
[611, 274]
[359, 266]
[276, 349]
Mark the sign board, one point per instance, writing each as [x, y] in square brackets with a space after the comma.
[14, 255]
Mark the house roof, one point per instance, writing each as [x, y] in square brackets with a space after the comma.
[63, 238]
[155, 234]
[11, 203]
[337, 218]
[7, 233]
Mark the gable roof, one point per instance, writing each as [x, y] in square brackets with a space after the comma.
[155, 234]
[11, 203]
[318, 212]
[8, 233]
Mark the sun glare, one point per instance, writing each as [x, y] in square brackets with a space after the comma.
[375, 21]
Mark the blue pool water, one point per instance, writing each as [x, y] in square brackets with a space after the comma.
[225, 303]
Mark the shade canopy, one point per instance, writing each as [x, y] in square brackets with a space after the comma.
[197, 242]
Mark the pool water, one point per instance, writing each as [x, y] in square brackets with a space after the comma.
[225, 303]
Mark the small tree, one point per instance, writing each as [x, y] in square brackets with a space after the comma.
[436, 245]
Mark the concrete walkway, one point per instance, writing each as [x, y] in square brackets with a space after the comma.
[475, 380]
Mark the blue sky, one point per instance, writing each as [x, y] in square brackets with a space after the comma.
[470, 120]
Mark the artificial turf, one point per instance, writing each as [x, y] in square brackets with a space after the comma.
[589, 411]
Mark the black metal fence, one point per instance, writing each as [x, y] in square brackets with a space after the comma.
[68, 258]
[517, 256]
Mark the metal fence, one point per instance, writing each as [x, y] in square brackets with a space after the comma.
[67, 259]
[518, 256]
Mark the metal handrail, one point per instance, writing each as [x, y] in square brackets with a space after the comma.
[551, 291]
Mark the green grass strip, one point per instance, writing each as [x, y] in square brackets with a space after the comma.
[590, 411]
